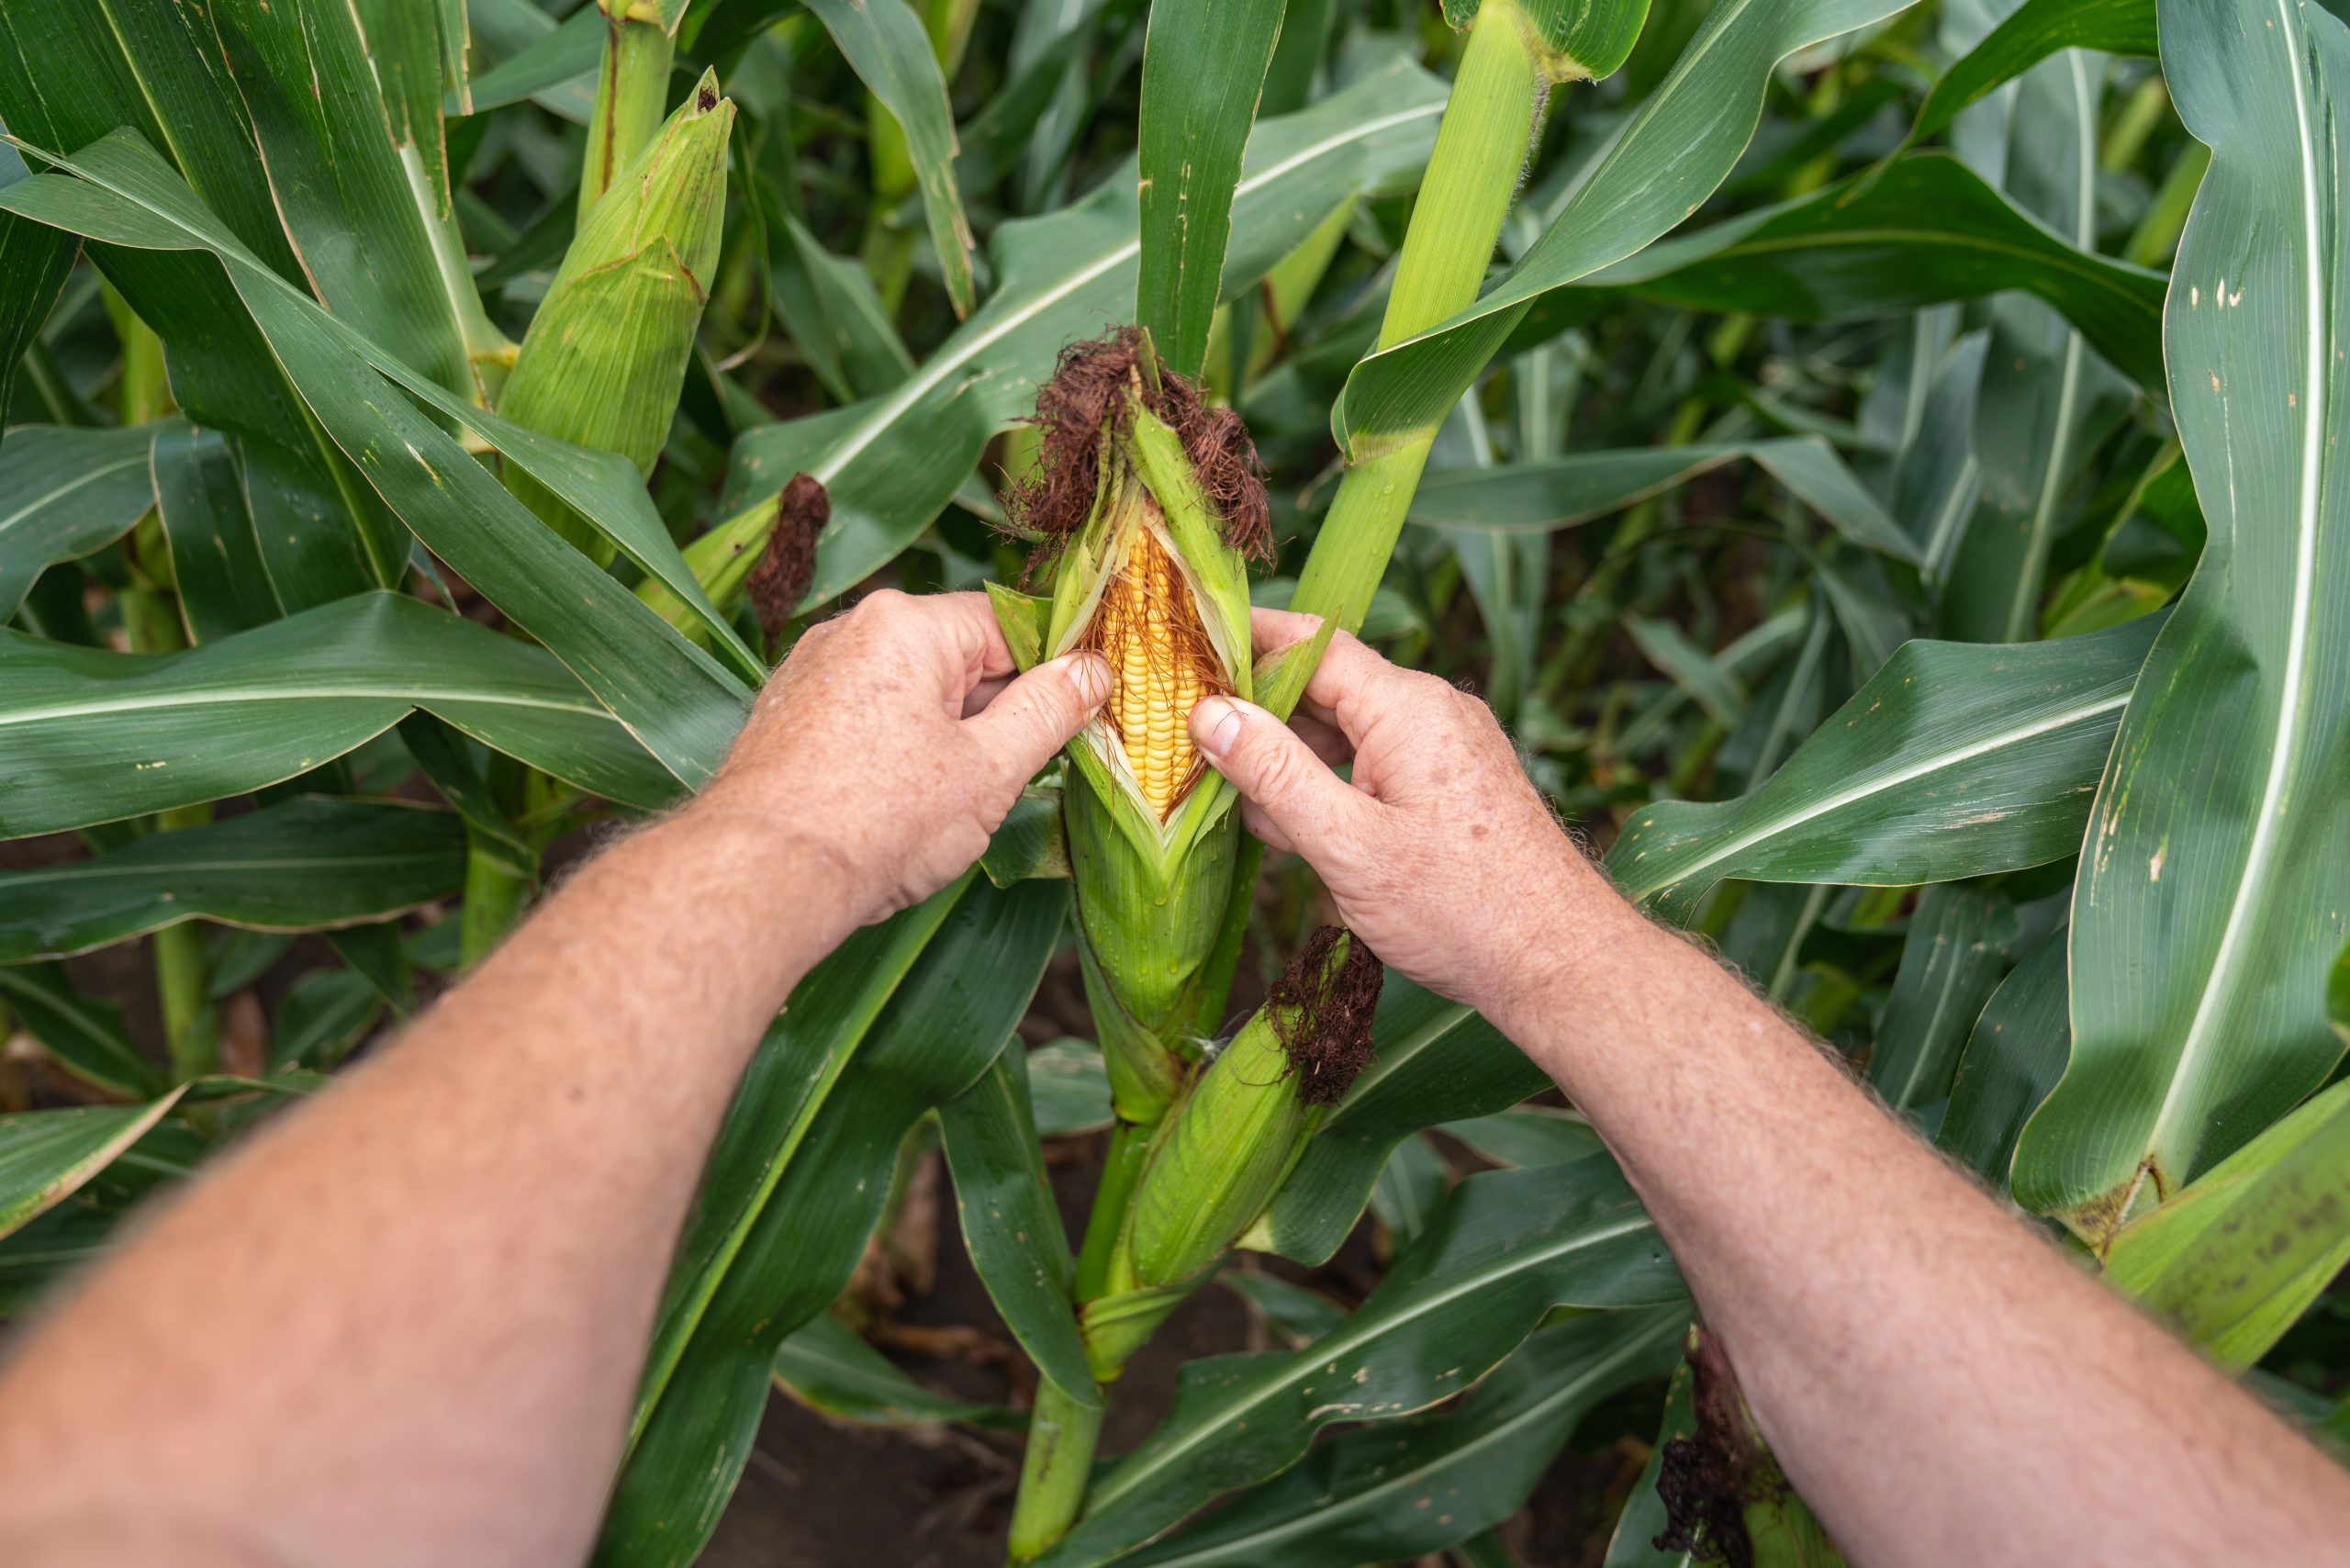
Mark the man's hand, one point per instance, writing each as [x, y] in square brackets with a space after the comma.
[894, 740]
[1441, 855]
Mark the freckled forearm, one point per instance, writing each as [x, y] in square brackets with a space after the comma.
[1940, 1382]
[487, 1208]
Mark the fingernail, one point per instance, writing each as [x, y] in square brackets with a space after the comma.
[1216, 724]
[1090, 673]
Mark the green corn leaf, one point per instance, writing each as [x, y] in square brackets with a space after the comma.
[891, 462]
[219, 560]
[2212, 859]
[1011, 1225]
[826, 1366]
[33, 264]
[93, 736]
[306, 864]
[1411, 1187]
[2236, 1258]
[1423, 1485]
[1300, 1316]
[76, 1231]
[1069, 1088]
[1509, 1246]
[665, 688]
[368, 213]
[83, 1032]
[887, 47]
[45, 1155]
[1950, 963]
[1528, 1136]
[75, 78]
[326, 1013]
[1678, 146]
[376, 953]
[551, 63]
[829, 306]
[904, 1017]
[1202, 67]
[2029, 35]
[1952, 761]
[2047, 401]
[1531, 497]
[1928, 229]
[2014, 1057]
[65, 491]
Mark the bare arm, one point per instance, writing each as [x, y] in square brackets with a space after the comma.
[405, 1325]
[1940, 1384]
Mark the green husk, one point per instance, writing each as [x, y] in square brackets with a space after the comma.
[605, 359]
[1150, 895]
[1146, 456]
[1246, 1120]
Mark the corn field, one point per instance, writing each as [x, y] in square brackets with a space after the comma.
[1876, 457]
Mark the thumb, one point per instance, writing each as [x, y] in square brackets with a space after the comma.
[1036, 714]
[1267, 762]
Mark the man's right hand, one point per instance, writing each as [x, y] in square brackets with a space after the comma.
[1441, 855]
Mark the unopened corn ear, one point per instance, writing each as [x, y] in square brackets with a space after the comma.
[605, 358]
[1149, 504]
[1246, 1122]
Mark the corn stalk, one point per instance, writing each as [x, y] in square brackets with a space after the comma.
[631, 91]
[1201, 1144]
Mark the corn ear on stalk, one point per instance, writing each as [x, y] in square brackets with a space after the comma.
[605, 358]
[1222, 1155]
[1149, 504]
[1246, 1122]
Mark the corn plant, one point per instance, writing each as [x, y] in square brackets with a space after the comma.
[1876, 455]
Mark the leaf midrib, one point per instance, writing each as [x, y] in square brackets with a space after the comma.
[940, 368]
[2078, 714]
[1319, 1518]
[1344, 1340]
[219, 696]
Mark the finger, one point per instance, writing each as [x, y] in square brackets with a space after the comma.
[976, 700]
[1324, 739]
[1350, 675]
[1035, 716]
[1253, 818]
[1309, 805]
[956, 632]
[1271, 631]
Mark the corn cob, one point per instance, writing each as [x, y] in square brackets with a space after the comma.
[605, 358]
[1161, 665]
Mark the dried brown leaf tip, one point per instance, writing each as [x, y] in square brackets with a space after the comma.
[1322, 1012]
[780, 580]
[1084, 400]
